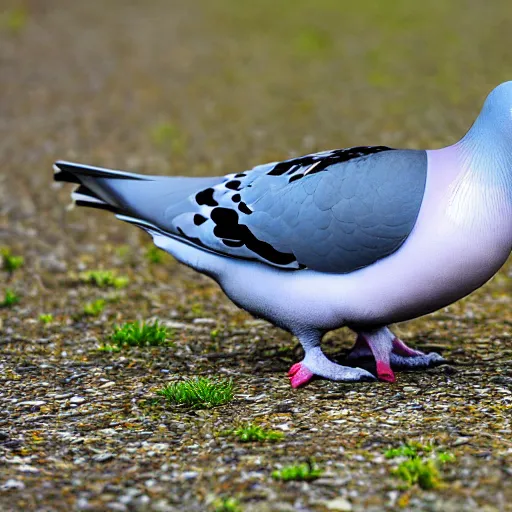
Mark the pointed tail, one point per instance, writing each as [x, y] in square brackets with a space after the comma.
[96, 188]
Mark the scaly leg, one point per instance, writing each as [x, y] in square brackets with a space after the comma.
[380, 345]
[315, 362]
[390, 352]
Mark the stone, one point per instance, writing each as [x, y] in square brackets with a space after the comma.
[13, 484]
[103, 457]
[338, 504]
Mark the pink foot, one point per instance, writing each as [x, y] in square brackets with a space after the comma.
[384, 372]
[299, 375]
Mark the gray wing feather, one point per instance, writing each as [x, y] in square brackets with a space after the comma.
[346, 217]
[335, 211]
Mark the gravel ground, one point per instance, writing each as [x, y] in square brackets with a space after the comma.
[204, 88]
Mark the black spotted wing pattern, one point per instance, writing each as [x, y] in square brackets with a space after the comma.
[334, 211]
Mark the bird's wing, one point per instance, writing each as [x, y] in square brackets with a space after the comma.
[334, 211]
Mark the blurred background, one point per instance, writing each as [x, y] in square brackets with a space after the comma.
[209, 87]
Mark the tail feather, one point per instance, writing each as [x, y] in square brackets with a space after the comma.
[85, 177]
[151, 202]
[71, 172]
[83, 196]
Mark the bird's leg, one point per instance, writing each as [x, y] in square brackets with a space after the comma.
[360, 350]
[315, 362]
[390, 352]
[378, 343]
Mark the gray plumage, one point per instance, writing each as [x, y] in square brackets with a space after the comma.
[355, 211]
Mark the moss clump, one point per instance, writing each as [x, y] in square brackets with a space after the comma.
[251, 433]
[103, 279]
[407, 450]
[94, 308]
[11, 298]
[419, 471]
[421, 464]
[10, 262]
[226, 505]
[307, 471]
[46, 318]
[141, 334]
[200, 393]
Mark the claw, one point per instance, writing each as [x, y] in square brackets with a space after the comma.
[384, 372]
[299, 375]
[294, 369]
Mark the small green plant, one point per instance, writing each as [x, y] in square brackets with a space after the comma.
[197, 310]
[416, 470]
[14, 20]
[107, 347]
[214, 334]
[306, 471]
[10, 263]
[226, 505]
[141, 334]
[421, 464]
[407, 450]
[444, 457]
[154, 255]
[251, 433]
[199, 393]
[46, 318]
[10, 298]
[103, 279]
[94, 308]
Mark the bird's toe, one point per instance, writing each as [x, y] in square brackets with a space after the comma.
[419, 362]
[347, 374]
[384, 372]
[294, 369]
[299, 375]
[436, 358]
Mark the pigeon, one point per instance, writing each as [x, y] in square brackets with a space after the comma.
[362, 237]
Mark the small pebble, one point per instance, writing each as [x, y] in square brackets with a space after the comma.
[338, 504]
[13, 484]
[103, 457]
[114, 505]
[25, 468]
